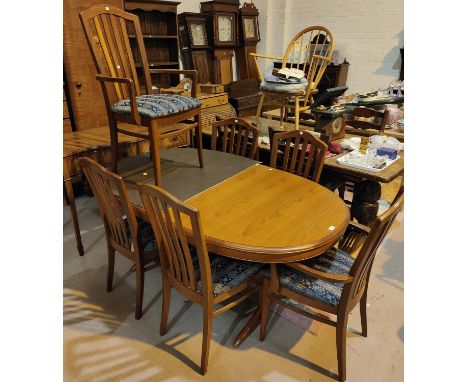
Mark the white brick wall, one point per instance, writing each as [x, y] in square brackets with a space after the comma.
[369, 33]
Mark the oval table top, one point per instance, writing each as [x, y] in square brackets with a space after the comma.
[271, 216]
[249, 211]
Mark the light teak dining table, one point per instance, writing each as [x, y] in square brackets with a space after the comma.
[248, 211]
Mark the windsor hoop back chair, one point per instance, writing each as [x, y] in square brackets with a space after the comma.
[310, 50]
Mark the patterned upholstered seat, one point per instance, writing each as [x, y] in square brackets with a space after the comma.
[333, 261]
[293, 88]
[226, 274]
[148, 241]
[157, 105]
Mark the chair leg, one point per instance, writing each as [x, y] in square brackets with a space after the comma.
[114, 139]
[341, 329]
[296, 114]
[265, 308]
[155, 149]
[199, 139]
[363, 311]
[110, 266]
[140, 286]
[165, 306]
[76, 226]
[207, 328]
[259, 108]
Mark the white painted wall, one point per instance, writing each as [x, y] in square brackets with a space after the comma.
[369, 33]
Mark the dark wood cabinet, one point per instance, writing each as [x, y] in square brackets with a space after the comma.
[249, 36]
[158, 20]
[84, 94]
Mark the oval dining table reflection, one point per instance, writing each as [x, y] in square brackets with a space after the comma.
[248, 211]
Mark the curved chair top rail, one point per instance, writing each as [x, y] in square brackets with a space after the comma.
[107, 29]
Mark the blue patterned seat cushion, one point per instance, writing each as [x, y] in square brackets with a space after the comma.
[226, 274]
[333, 261]
[157, 105]
[294, 88]
[148, 241]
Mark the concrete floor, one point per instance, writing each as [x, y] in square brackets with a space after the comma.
[104, 342]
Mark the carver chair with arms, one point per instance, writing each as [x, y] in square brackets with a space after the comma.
[160, 115]
[310, 50]
[235, 136]
[333, 282]
[302, 153]
[186, 265]
[131, 237]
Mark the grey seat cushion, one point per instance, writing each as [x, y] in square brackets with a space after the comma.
[333, 261]
[226, 274]
[157, 105]
[280, 86]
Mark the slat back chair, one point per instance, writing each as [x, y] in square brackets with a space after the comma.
[310, 50]
[107, 30]
[324, 273]
[186, 265]
[303, 154]
[123, 232]
[363, 112]
[235, 136]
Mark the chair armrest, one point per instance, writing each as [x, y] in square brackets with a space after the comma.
[331, 277]
[353, 237]
[131, 91]
[259, 55]
[193, 74]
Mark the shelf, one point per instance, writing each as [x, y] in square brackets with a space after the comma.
[160, 36]
[158, 63]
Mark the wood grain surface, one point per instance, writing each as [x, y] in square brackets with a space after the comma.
[268, 215]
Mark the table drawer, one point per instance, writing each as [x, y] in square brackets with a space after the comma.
[178, 140]
[221, 99]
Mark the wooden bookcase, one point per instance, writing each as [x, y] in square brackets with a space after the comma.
[158, 21]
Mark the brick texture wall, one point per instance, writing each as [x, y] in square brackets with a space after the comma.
[369, 33]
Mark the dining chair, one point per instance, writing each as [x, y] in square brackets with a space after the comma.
[333, 282]
[364, 118]
[131, 237]
[235, 136]
[120, 69]
[310, 50]
[302, 153]
[202, 277]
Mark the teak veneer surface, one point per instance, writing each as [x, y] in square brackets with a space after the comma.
[265, 214]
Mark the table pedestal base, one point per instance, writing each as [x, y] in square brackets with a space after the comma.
[364, 206]
[248, 328]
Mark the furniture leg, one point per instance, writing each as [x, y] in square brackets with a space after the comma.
[341, 327]
[110, 265]
[165, 306]
[71, 200]
[199, 138]
[296, 113]
[140, 286]
[281, 116]
[265, 307]
[364, 206]
[248, 328]
[207, 328]
[114, 139]
[363, 312]
[155, 150]
[259, 108]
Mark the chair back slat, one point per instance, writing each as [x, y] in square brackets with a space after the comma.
[363, 264]
[303, 153]
[114, 204]
[312, 57]
[167, 215]
[106, 29]
[235, 136]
